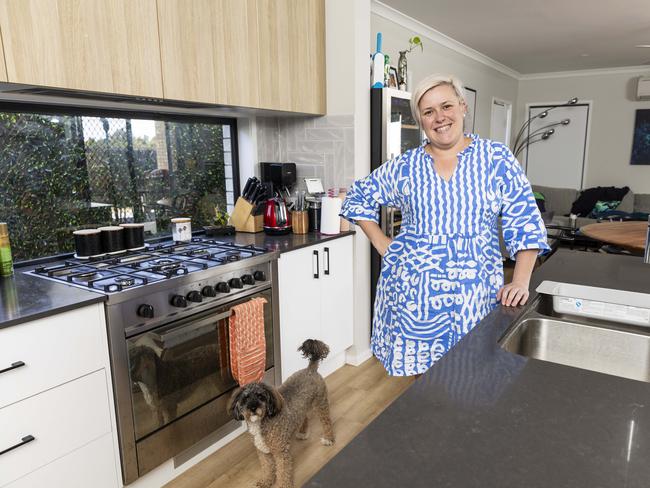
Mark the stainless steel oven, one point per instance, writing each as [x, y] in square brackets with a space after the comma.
[181, 372]
[168, 309]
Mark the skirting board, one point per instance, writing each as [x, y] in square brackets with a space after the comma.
[357, 358]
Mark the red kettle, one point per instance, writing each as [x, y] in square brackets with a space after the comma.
[277, 219]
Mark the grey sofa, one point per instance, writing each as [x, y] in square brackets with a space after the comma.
[559, 201]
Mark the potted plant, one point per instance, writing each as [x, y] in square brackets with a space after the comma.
[219, 226]
[414, 42]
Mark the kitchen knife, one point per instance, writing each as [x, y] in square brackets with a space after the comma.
[247, 189]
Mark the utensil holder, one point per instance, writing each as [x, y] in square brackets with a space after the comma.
[300, 222]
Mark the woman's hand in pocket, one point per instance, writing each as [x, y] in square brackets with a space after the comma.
[379, 240]
[382, 244]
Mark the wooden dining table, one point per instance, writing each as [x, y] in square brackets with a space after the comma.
[628, 235]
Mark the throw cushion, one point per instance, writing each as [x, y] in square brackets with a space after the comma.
[588, 198]
[602, 207]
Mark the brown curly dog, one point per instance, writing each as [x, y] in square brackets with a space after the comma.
[275, 416]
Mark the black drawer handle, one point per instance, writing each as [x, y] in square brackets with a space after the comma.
[24, 440]
[317, 272]
[15, 365]
[327, 255]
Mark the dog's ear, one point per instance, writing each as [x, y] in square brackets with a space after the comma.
[234, 406]
[274, 401]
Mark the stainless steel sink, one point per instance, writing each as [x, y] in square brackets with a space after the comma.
[584, 339]
[606, 350]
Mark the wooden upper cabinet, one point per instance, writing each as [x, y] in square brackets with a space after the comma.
[249, 53]
[292, 55]
[192, 63]
[3, 71]
[209, 51]
[98, 45]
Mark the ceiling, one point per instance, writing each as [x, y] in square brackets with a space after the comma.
[538, 37]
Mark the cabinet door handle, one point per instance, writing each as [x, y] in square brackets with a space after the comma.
[15, 365]
[24, 440]
[326, 264]
[317, 271]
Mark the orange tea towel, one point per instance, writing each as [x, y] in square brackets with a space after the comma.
[247, 341]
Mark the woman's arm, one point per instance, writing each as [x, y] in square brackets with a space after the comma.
[378, 239]
[516, 292]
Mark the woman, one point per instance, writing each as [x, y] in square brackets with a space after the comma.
[443, 273]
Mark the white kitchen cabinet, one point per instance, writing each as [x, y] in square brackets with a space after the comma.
[316, 300]
[56, 408]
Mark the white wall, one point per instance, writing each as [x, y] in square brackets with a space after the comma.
[348, 83]
[612, 121]
[438, 58]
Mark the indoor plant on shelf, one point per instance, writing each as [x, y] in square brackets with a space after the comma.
[402, 73]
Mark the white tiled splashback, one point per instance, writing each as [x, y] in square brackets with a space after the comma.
[321, 147]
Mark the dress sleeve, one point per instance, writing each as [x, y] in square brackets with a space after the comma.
[523, 227]
[366, 195]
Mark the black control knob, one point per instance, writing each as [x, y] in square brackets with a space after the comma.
[248, 279]
[259, 276]
[223, 287]
[178, 301]
[209, 291]
[236, 283]
[195, 296]
[145, 311]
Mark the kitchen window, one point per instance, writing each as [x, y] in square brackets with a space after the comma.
[65, 169]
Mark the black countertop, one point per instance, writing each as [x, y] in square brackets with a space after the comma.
[484, 417]
[25, 297]
[285, 243]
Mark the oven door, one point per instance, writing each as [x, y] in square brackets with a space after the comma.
[178, 368]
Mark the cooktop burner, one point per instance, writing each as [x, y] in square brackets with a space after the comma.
[160, 261]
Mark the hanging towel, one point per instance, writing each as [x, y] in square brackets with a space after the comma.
[247, 341]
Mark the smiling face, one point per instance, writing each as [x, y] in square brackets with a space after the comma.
[442, 113]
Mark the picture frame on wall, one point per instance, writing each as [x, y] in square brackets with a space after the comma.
[392, 77]
[470, 118]
[641, 139]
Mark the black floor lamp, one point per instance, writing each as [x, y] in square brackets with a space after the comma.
[541, 134]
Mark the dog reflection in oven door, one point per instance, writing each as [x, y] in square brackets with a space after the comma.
[169, 378]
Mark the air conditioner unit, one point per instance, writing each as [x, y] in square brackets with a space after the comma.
[643, 88]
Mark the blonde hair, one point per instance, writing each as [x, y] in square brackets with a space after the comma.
[430, 82]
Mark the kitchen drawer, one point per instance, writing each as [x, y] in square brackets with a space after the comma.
[92, 465]
[60, 420]
[55, 349]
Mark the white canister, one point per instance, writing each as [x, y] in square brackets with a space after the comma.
[182, 229]
[330, 222]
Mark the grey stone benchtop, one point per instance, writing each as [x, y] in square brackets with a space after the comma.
[24, 297]
[484, 417]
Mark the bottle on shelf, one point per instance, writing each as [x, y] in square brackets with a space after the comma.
[6, 262]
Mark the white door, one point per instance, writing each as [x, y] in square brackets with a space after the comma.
[500, 121]
[558, 160]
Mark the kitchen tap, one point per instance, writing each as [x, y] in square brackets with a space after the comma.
[646, 254]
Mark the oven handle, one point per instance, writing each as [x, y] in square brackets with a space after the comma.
[184, 329]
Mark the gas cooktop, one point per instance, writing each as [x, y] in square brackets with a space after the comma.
[161, 261]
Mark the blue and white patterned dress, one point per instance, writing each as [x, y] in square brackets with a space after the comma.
[441, 274]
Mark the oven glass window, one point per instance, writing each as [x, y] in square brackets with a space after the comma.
[182, 366]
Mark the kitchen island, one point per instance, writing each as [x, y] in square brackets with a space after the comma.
[485, 417]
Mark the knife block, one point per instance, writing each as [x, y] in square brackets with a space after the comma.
[254, 223]
[241, 213]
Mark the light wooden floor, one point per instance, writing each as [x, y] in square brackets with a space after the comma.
[357, 395]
